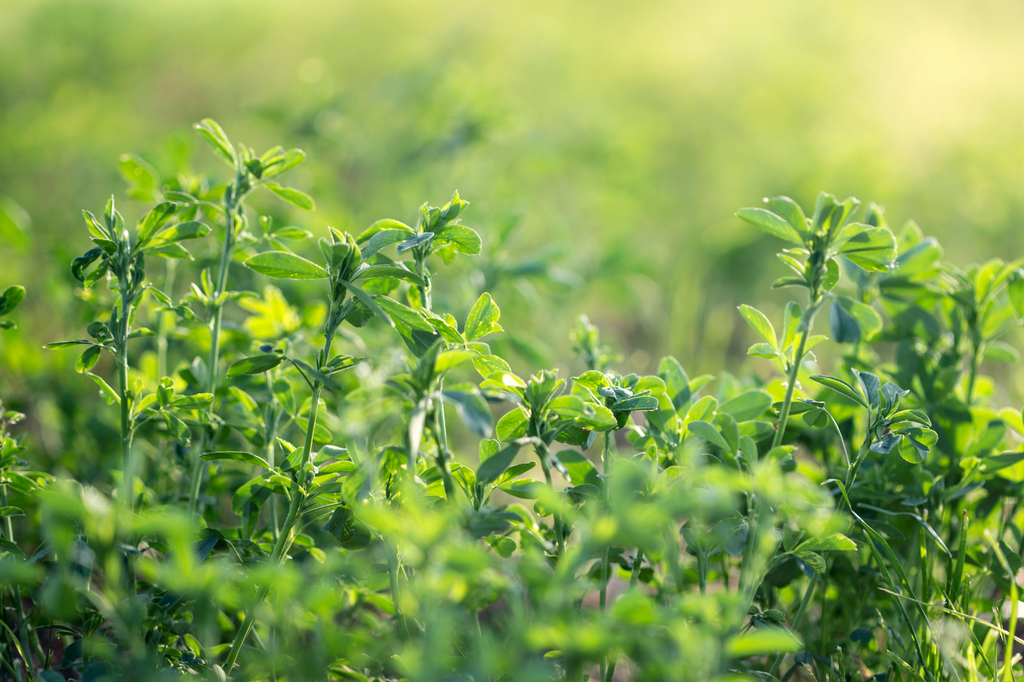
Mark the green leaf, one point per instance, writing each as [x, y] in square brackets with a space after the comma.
[87, 360]
[237, 456]
[842, 325]
[747, 405]
[350, 532]
[256, 364]
[106, 392]
[383, 239]
[218, 141]
[708, 432]
[284, 265]
[461, 237]
[401, 313]
[917, 443]
[995, 463]
[836, 542]
[486, 365]
[495, 465]
[178, 430]
[503, 547]
[292, 195]
[389, 272]
[380, 226]
[762, 641]
[1015, 290]
[580, 469]
[791, 212]
[872, 249]
[482, 319]
[1000, 351]
[472, 409]
[12, 296]
[512, 425]
[770, 223]
[840, 387]
[10, 511]
[155, 221]
[760, 323]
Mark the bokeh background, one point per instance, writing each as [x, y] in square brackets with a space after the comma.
[621, 136]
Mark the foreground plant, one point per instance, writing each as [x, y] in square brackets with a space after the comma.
[366, 454]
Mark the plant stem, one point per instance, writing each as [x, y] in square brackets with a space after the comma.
[128, 475]
[797, 619]
[606, 460]
[287, 534]
[441, 435]
[806, 322]
[271, 423]
[19, 609]
[227, 252]
[166, 320]
[976, 353]
[851, 475]
[403, 627]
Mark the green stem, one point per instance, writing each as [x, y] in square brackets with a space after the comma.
[287, 534]
[976, 353]
[217, 308]
[851, 475]
[19, 609]
[796, 622]
[128, 473]
[545, 465]
[806, 322]
[403, 627]
[166, 320]
[271, 424]
[441, 435]
[606, 461]
[634, 575]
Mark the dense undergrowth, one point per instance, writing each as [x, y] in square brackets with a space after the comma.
[335, 477]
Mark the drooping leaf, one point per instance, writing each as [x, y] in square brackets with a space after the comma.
[256, 364]
[238, 456]
[840, 387]
[292, 195]
[771, 223]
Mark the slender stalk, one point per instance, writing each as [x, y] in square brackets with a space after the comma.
[227, 253]
[128, 475]
[806, 322]
[797, 619]
[271, 423]
[634, 576]
[443, 456]
[19, 608]
[606, 461]
[702, 570]
[403, 627]
[976, 353]
[851, 475]
[165, 322]
[287, 534]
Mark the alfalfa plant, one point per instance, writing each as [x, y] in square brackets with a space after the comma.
[251, 172]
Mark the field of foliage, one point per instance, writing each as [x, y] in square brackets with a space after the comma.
[498, 368]
[321, 469]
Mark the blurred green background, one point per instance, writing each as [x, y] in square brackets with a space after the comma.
[622, 137]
